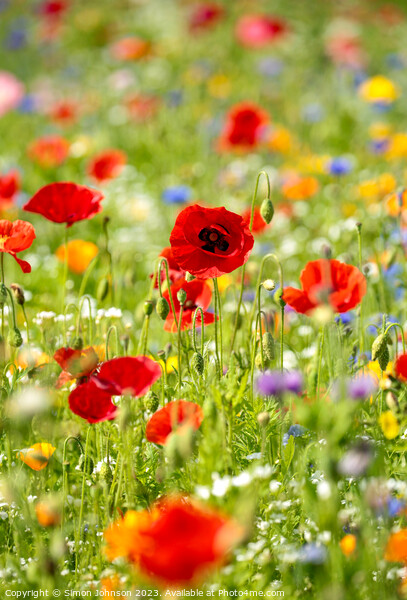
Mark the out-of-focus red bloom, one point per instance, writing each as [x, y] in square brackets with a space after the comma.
[209, 242]
[65, 202]
[75, 364]
[243, 129]
[107, 165]
[64, 112]
[344, 48]
[391, 15]
[330, 282]
[12, 92]
[257, 31]
[15, 237]
[259, 224]
[205, 15]
[131, 48]
[49, 151]
[198, 294]
[401, 367]
[168, 419]
[128, 375]
[142, 107]
[53, 8]
[92, 403]
[9, 186]
[176, 542]
[174, 271]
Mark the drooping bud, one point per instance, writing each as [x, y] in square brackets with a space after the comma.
[102, 289]
[77, 343]
[105, 474]
[189, 277]
[267, 210]
[148, 307]
[86, 465]
[197, 363]
[269, 285]
[18, 293]
[151, 401]
[181, 296]
[268, 346]
[14, 338]
[162, 308]
[278, 297]
[380, 351]
[3, 295]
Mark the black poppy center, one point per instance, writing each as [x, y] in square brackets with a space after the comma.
[213, 239]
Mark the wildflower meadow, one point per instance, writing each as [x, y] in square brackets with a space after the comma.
[203, 243]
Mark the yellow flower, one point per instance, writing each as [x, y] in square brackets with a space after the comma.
[280, 140]
[219, 86]
[397, 146]
[379, 130]
[389, 425]
[37, 456]
[171, 362]
[379, 89]
[80, 255]
[348, 544]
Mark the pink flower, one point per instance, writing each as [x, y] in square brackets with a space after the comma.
[11, 92]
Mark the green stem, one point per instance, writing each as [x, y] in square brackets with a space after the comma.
[85, 474]
[65, 271]
[109, 331]
[321, 347]
[219, 309]
[179, 347]
[402, 335]
[199, 309]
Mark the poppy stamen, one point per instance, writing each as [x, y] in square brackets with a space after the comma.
[214, 240]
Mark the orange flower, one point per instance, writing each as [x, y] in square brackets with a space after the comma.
[300, 188]
[176, 542]
[48, 513]
[80, 255]
[37, 456]
[396, 549]
[348, 544]
[131, 48]
[49, 151]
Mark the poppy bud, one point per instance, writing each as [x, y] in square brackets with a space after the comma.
[18, 293]
[148, 307]
[263, 419]
[3, 295]
[151, 401]
[86, 465]
[102, 289]
[14, 338]
[258, 362]
[181, 296]
[77, 343]
[269, 285]
[105, 474]
[380, 351]
[197, 363]
[162, 308]
[189, 277]
[267, 210]
[268, 346]
[278, 297]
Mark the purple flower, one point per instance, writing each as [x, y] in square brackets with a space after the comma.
[293, 382]
[271, 383]
[362, 387]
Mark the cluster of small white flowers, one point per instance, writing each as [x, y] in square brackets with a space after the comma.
[44, 317]
[110, 313]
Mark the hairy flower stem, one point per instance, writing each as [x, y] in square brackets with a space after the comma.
[320, 351]
[2, 281]
[360, 318]
[109, 256]
[65, 271]
[243, 271]
[219, 312]
[65, 474]
[109, 332]
[85, 474]
[179, 347]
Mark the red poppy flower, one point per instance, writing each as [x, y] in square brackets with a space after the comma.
[141, 107]
[128, 376]
[15, 237]
[327, 281]
[92, 403]
[257, 31]
[166, 420]
[198, 294]
[75, 364]
[9, 186]
[53, 8]
[65, 202]
[259, 224]
[209, 242]
[401, 367]
[205, 15]
[244, 125]
[174, 271]
[186, 540]
[177, 541]
[49, 151]
[64, 112]
[107, 165]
